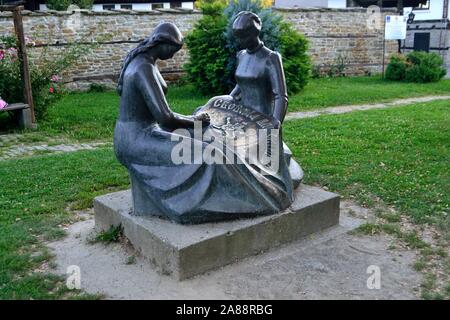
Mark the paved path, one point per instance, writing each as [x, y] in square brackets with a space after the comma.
[327, 265]
[351, 108]
[28, 150]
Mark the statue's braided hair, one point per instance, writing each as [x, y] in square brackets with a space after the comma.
[165, 32]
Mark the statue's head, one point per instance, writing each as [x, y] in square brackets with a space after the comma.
[246, 29]
[166, 39]
[164, 42]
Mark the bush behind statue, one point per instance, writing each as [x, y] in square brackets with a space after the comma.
[417, 66]
[212, 47]
[59, 5]
[83, 4]
[63, 5]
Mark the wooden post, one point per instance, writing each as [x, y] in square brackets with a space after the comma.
[23, 58]
[384, 44]
[445, 13]
[400, 5]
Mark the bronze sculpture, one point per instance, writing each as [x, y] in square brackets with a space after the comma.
[263, 88]
[147, 132]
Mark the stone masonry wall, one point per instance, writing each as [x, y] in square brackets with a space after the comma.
[335, 35]
[342, 36]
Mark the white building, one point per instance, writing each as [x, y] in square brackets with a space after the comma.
[147, 6]
[431, 10]
[423, 9]
[138, 5]
[429, 31]
[310, 3]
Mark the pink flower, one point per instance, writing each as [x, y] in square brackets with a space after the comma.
[12, 53]
[3, 103]
[2, 54]
[54, 78]
[52, 90]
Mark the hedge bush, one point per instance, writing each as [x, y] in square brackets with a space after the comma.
[424, 67]
[45, 74]
[417, 66]
[208, 55]
[63, 5]
[396, 69]
[213, 49]
[59, 5]
[83, 4]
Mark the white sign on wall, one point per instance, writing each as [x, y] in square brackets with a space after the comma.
[395, 27]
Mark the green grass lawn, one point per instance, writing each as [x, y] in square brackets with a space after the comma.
[396, 158]
[328, 92]
[35, 195]
[91, 116]
[399, 155]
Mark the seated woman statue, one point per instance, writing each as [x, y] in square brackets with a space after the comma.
[147, 132]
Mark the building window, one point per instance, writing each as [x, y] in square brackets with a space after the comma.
[175, 4]
[157, 6]
[108, 7]
[126, 6]
[422, 41]
[423, 6]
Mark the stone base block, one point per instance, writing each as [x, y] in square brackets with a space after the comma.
[184, 251]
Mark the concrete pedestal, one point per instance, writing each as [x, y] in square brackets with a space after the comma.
[184, 251]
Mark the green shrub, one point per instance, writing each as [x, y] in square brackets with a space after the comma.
[337, 69]
[424, 67]
[63, 5]
[83, 4]
[396, 69]
[316, 72]
[296, 61]
[45, 72]
[10, 81]
[59, 5]
[98, 87]
[113, 234]
[417, 66]
[206, 68]
[213, 49]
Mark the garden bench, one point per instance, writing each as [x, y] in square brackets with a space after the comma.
[22, 114]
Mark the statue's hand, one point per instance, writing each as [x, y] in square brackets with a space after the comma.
[277, 124]
[236, 97]
[204, 118]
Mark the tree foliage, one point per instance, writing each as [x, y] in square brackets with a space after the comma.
[417, 66]
[213, 49]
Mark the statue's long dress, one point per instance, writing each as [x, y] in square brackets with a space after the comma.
[185, 193]
[261, 82]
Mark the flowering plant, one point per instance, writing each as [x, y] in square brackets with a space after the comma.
[45, 71]
[10, 71]
[3, 103]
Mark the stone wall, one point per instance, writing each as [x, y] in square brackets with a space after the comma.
[336, 35]
[342, 36]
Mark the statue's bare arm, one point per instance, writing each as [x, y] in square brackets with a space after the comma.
[155, 100]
